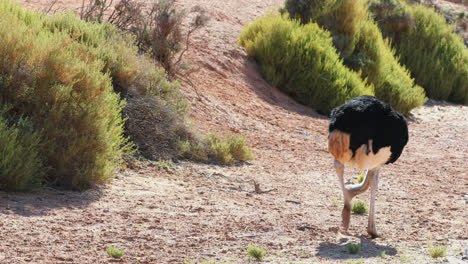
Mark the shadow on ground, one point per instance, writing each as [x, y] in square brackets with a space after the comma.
[38, 204]
[369, 249]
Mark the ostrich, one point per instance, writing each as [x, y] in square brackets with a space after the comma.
[366, 133]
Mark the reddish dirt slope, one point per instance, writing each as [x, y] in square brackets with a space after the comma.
[198, 211]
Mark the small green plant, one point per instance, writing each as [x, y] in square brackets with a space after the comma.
[256, 252]
[359, 207]
[114, 252]
[438, 251]
[384, 254]
[353, 248]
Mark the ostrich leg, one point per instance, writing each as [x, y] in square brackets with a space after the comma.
[346, 213]
[350, 191]
[371, 230]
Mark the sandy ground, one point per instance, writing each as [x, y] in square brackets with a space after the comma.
[192, 212]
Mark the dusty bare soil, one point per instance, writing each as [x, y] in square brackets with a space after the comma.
[193, 212]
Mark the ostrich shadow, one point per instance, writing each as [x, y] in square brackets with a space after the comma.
[369, 249]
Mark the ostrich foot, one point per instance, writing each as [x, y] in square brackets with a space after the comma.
[372, 231]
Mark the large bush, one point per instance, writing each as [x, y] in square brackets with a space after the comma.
[301, 61]
[363, 48]
[70, 80]
[63, 87]
[436, 56]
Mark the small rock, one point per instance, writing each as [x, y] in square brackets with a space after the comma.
[203, 189]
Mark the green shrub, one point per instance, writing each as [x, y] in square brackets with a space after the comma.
[20, 164]
[114, 252]
[353, 248]
[430, 48]
[62, 86]
[438, 251]
[256, 252]
[61, 73]
[219, 150]
[159, 122]
[193, 149]
[238, 148]
[363, 49]
[116, 50]
[301, 61]
[359, 207]
[226, 149]
[132, 73]
[436, 56]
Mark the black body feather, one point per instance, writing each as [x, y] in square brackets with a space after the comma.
[366, 118]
